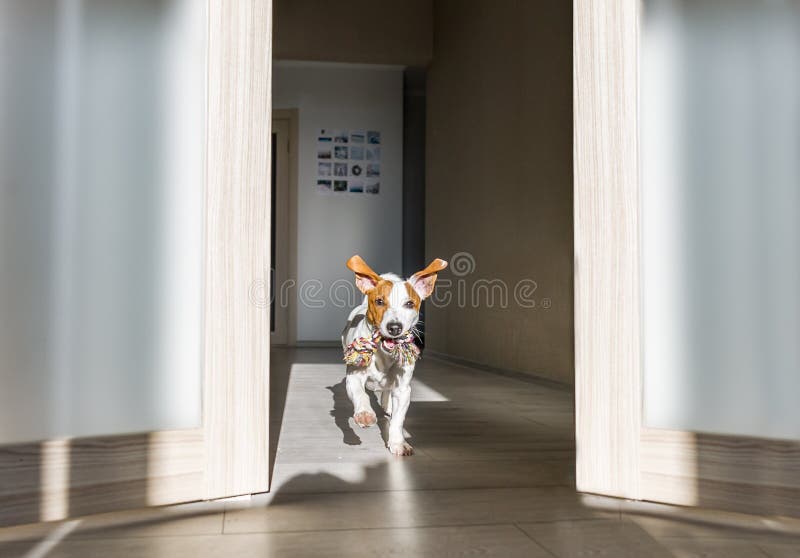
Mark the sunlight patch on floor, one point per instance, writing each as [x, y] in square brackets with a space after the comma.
[423, 392]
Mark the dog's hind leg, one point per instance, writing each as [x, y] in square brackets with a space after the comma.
[363, 414]
[386, 401]
[396, 442]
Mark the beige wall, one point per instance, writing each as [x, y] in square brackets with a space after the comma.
[499, 177]
[357, 31]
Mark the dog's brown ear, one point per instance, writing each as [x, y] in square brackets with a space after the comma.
[423, 281]
[366, 279]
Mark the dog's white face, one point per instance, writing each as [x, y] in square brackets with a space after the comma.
[393, 304]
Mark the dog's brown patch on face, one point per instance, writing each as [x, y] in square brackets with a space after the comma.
[412, 294]
[381, 292]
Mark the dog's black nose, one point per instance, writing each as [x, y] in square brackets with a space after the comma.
[394, 328]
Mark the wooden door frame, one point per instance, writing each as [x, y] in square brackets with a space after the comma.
[229, 454]
[617, 455]
[291, 116]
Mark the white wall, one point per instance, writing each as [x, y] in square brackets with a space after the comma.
[333, 227]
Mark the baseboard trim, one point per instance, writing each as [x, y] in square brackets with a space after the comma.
[531, 378]
[316, 344]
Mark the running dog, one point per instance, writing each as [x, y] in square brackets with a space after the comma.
[379, 347]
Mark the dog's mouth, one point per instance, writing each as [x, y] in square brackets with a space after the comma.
[390, 342]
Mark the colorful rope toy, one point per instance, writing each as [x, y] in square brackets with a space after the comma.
[402, 349]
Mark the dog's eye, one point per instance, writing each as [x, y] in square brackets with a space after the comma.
[409, 304]
[378, 302]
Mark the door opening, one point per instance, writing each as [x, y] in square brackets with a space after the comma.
[281, 235]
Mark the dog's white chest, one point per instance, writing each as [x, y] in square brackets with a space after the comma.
[386, 373]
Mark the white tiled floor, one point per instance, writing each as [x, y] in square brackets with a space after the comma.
[492, 476]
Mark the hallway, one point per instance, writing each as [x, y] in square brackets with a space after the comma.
[492, 474]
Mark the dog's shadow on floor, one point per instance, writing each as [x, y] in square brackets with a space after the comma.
[343, 410]
[341, 413]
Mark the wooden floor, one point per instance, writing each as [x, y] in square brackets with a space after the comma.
[492, 476]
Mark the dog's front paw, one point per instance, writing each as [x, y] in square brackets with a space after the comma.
[400, 448]
[365, 419]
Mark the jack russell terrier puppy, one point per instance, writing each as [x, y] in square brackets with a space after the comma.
[379, 348]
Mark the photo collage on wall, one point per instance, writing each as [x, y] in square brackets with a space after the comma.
[348, 161]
